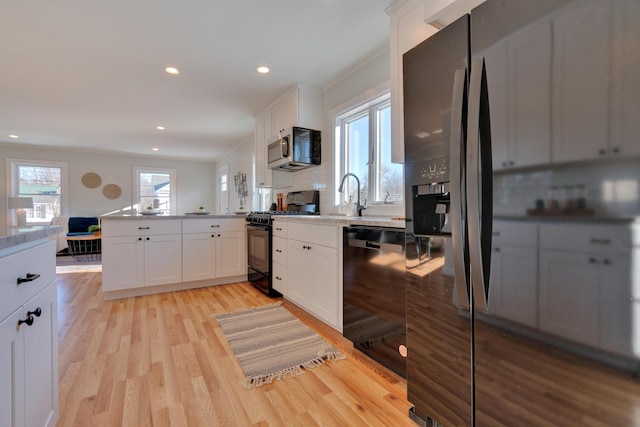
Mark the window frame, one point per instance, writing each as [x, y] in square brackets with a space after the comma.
[173, 201]
[13, 184]
[368, 104]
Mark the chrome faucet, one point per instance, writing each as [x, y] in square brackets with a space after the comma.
[359, 207]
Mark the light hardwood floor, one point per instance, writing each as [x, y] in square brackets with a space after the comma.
[161, 360]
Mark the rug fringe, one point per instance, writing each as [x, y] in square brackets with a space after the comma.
[260, 380]
[246, 310]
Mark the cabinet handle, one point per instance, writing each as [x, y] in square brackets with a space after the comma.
[213, 235]
[278, 250]
[593, 261]
[143, 228]
[308, 248]
[28, 321]
[148, 238]
[606, 261]
[30, 277]
[278, 277]
[215, 226]
[304, 246]
[139, 238]
[278, 228]
[511, 163]
[600, 241]
[602, 151]
[497, 249]
[37, 312]
[496, 233]
[615, 149]
[504, 163]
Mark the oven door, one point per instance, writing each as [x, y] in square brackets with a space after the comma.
[259, 248]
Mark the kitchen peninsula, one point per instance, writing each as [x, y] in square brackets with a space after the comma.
[148, 254]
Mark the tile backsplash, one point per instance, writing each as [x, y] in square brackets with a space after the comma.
[611, 187]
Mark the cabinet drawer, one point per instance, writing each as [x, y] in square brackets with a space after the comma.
[586, 237]
[37, 260]
[280, 278]
[280, 250]
[325, 235]
[280, 229]
[136, 227]
[515, 233]
[205, 225]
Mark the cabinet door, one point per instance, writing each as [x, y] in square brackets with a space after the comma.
[122, 263]
[513, 293]
[324, 290]
[616, 304]
[625, 85]
[12, 392]
[231, 254]
[263, 133]
[198, 256]
[581, 81]
[41, 359]
[284, 113]
[162, 259]
[300, 273]
[529, 58]
[569, 296]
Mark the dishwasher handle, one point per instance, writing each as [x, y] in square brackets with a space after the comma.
[383, 247]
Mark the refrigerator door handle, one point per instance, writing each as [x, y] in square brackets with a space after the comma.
[457, 209]
[479, 184]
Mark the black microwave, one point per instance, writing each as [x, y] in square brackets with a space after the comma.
[293, 149]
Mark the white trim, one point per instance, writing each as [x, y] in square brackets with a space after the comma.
[136, 185]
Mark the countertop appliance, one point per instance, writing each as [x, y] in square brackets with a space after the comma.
[515, 76]
[374, 293]
[294, 148]
[259, 237]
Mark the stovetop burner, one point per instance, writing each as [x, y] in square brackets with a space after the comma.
[298, 203]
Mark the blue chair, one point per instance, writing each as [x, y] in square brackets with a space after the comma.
[82, 245]
[79, 225]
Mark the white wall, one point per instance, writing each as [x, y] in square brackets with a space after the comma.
[239, 160]
[196, 181]
[362, 79]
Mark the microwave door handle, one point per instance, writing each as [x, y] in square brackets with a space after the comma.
[284, 143]
[479, 184]
[457, 210]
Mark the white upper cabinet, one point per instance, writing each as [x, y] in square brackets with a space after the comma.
[300, 106]
[520, 120]
[625, 84]
[581, 72]
[408, 29]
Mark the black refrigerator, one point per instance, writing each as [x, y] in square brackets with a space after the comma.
[522, 155]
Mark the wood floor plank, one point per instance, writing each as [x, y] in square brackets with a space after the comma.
[162, 360]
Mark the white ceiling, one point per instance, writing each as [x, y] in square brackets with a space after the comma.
[89, 75]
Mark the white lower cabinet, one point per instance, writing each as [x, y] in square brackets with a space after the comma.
[280, 257]
[586, 285]
[513, 292]
[231, 254]
[145, 260]
[29, 340]
[313, 267]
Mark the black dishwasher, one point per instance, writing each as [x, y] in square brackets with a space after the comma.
[374, 303]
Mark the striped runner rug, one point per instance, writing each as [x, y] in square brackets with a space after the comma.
[271, 343]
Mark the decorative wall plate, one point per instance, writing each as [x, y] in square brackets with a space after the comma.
[112, 191]
[91, 180]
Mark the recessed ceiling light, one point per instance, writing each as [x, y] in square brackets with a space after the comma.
[13, 136]
[155, 149]
[172, 70]
[262, 69]
[160, 127]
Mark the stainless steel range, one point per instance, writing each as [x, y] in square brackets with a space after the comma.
[259, 236]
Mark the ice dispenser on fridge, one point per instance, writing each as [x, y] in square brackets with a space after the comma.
[430, 197]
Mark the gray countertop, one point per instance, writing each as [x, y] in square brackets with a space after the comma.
[14, 236]
[186, 216]
[344, 220]
[568, 219]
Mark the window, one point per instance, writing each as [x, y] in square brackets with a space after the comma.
[363, 147]
[155, 189]
[44, 182]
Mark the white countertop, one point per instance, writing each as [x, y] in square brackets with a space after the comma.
[376, 221]
[14, 236]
